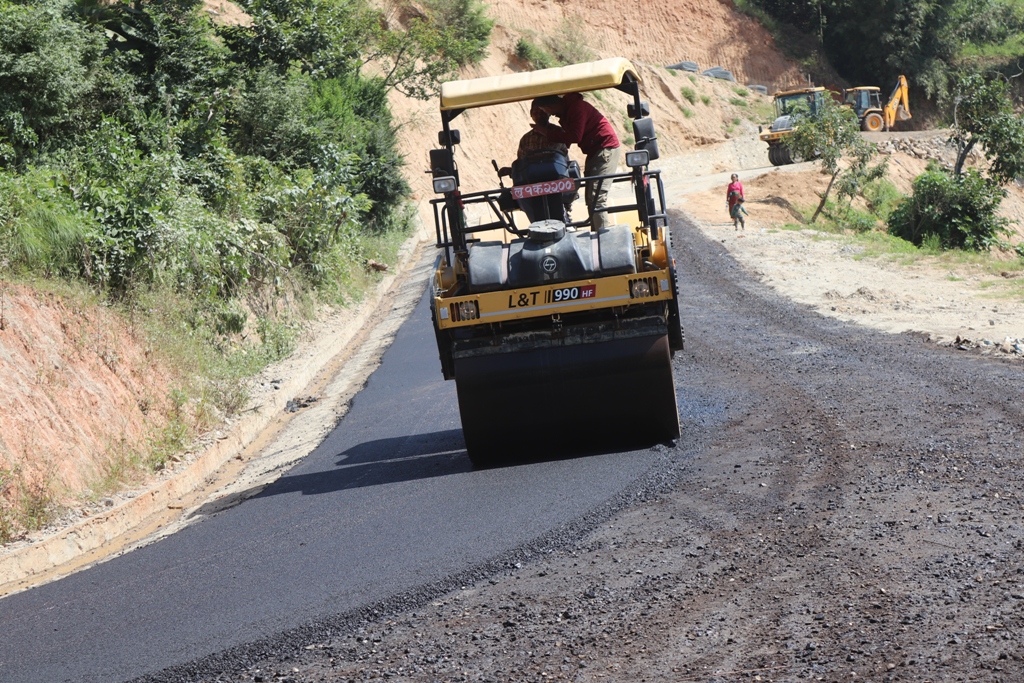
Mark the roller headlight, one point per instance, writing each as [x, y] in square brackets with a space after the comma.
[638, 157]
[465, 310]
[638, 289]
[445, 184]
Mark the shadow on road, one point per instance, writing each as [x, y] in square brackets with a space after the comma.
[391, 461]
[373, 463]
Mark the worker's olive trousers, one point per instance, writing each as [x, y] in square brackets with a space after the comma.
[601, 162]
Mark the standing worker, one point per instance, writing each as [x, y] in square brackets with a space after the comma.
[583, 125]
[734, 197]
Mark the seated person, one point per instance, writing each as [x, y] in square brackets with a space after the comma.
[533, 148]
[534, 140]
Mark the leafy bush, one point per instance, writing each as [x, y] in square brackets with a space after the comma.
[960, 212]
[48, 64]
[882, 197]
[468, 22]
[533, 55]
[569, 43]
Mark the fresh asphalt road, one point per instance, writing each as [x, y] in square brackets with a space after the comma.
[386, 504]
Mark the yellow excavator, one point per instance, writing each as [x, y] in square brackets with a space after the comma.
[873, 116]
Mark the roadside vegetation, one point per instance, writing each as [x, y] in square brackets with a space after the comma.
[214, 183]
[568, 44]
[961, 54]
[874, 41]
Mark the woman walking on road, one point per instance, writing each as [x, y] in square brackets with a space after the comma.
[734, 197]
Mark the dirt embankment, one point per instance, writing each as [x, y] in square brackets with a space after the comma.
[79, 393]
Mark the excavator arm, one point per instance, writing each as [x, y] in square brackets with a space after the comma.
[898, 106]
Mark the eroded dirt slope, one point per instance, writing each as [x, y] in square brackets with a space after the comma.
[79, 392]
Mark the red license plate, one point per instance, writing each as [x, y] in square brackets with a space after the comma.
[541, 189]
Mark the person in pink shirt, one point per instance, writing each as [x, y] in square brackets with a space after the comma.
[734, 197]
[583, 125]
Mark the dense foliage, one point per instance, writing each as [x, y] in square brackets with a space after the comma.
[958, 211]
[871, 42]
[142, 145]
[983, 114]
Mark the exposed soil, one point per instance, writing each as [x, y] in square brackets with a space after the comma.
[80, 391]
[843, 505]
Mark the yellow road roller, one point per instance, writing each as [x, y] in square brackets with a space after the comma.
[559, 334]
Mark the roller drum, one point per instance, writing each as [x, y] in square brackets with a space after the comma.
[570, 399]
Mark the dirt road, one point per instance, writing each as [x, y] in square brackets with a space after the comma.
[843, 505]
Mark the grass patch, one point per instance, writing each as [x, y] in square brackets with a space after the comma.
[688, 113]
[742, 92]
[705, 99]
[693, 79]
[26, 505]
[534, 55]
[690, 94]
[737, 102]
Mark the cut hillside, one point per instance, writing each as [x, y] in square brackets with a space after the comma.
[82, 395]
[689, 110]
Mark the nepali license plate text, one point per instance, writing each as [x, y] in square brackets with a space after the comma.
[541, 189]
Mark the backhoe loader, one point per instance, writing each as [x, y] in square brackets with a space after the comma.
[787, 104]
[873, 116]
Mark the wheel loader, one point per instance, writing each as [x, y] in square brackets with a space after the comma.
[787, 104]
[872, 114]
[558, 336]
[865, 100]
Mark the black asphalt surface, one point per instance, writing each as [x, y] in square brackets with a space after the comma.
[388, 504]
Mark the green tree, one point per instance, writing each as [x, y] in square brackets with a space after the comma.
[48, 65]
[469, 23]
[983, 114]
[959, 210]
[873, 41]
[830, 135]
[326, 38]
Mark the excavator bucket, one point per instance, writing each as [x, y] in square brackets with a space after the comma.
[567, 399]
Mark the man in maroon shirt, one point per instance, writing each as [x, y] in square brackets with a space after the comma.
[585, 126]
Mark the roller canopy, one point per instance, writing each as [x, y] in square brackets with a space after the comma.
[482, 92]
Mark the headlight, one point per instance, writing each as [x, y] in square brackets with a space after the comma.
[465, 310]
[638, 289]
[445, 184]
[638, 157]
[648, 286]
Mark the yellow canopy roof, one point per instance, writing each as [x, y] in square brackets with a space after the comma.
[483, 92]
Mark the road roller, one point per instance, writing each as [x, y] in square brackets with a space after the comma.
[558, 334]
